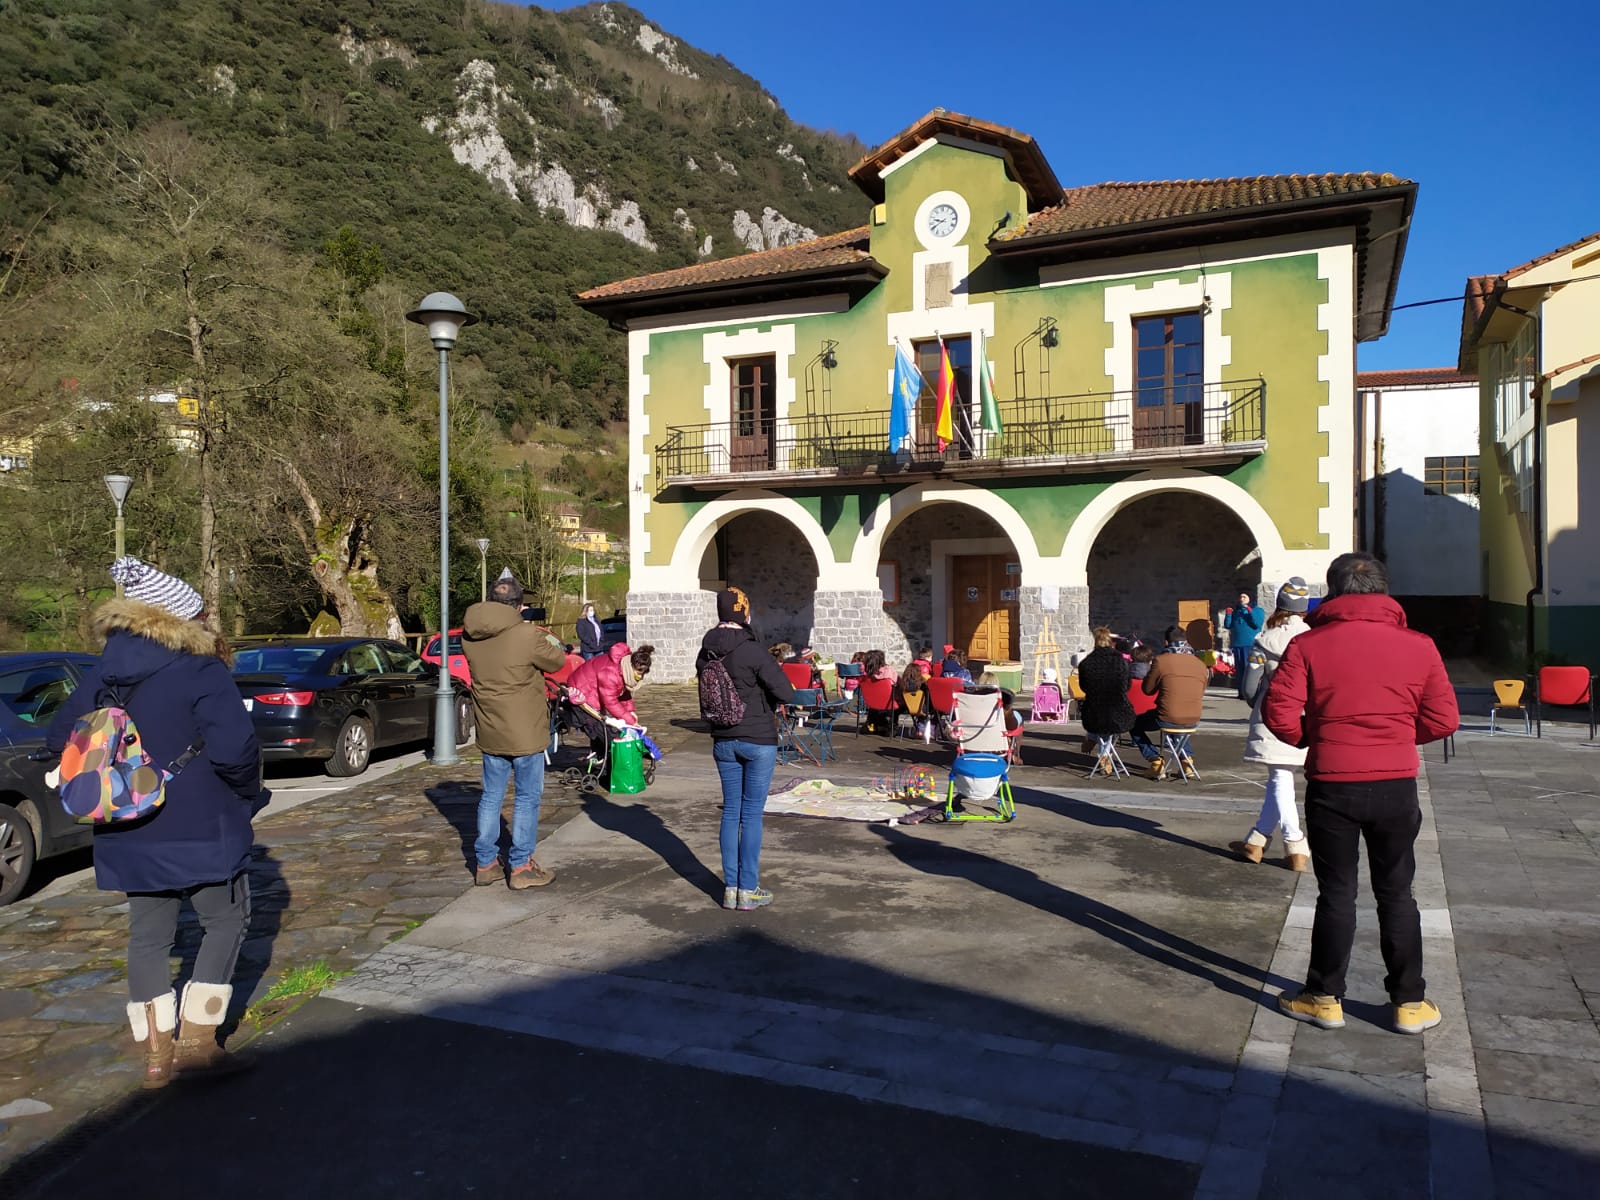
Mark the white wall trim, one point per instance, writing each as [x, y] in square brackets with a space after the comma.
[896, 508]
[1277, 562]
[717, 349]
[963, 221]
[683, 573]
[1166, 262]
[1336, 468]
[910, 155]
[639, 483]
[783, 310]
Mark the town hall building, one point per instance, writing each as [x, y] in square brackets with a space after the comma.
[1172, 415]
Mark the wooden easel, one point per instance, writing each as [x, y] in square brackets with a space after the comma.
[1045, 652]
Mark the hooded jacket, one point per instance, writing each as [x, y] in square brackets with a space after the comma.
[758, 678]
[1105, 709]
[1260, 746]
[172, 677]
[600, 683]
[1361, 692]
[509, 657]
[1178, 682]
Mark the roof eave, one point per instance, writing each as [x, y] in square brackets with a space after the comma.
[858, 277]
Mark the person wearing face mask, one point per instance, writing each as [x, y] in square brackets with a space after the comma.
[590, 635]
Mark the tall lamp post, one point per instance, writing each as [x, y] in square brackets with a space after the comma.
[445, 317]
[483, 568]
[119, 486]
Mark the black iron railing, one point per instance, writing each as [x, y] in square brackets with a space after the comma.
[1166, 422]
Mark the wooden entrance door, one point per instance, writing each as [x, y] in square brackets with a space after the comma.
[755, 414]
[1169, 390]
[983, 620]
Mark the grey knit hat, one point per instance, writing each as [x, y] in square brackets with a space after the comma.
[1294, 596]
[140, 581]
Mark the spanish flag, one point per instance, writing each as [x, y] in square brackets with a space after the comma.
[948, 396]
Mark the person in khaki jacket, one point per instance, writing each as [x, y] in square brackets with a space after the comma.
[1177, 680]
[509, 657]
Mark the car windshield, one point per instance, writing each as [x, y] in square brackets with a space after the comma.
[433, 645]
[277, 660]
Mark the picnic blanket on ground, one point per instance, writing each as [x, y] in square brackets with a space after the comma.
[848, 802]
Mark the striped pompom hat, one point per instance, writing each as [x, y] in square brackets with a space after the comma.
[1294, 596]
[140, 581]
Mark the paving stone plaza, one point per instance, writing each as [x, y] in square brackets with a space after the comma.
[1090, 986]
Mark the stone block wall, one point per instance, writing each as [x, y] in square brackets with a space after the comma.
[851, 621]
[909, 624]
[1163, 549]
[674, 622]
[769, 559]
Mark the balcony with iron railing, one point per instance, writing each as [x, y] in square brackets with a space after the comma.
[1105, 431]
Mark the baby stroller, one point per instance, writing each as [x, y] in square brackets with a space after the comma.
[1047, 708]
[594, 773]
[981, 770]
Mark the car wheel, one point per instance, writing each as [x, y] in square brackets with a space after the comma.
[352, 749]
[17, 853]
[466, 726]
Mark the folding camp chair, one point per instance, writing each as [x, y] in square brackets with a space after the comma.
[849, 676]
[980, 770]
[796, 735]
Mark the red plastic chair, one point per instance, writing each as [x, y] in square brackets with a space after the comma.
[878, 701]
[942, 695]
[799, 674]
[1565, 687]
[936, 669]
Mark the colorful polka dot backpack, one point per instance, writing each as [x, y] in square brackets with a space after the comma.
[106, 776]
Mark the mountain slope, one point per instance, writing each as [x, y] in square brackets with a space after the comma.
[512, 155]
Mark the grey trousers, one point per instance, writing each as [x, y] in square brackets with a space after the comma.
[224, 912]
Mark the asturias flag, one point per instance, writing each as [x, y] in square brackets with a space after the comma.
[903, 398]
[948, 398]
[989, 402]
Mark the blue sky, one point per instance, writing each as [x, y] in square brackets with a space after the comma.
[1485, 105]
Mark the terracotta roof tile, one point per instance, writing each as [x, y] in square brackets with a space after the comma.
[836, 250]
[1412, 377]
[1572, 366]
[1554, 254]
[1104, 205]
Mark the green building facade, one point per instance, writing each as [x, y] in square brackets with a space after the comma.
[1173, 371]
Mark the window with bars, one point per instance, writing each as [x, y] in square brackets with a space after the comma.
[1455, 475]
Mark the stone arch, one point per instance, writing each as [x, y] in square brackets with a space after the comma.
[896, 508]
[1097, 514]
[703, 526]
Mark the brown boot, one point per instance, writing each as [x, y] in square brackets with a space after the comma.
[1251, 849]
[199, 1054]
[484, 876]
[152, 1023]
[529, 875]
[1299, 855]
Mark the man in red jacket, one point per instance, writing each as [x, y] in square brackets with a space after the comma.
[1361, 692]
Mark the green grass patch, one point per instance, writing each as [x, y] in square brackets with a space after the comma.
[304, 981]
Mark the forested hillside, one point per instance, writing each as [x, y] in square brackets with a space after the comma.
[230, 206]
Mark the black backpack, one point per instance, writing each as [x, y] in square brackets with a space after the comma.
[720, 702]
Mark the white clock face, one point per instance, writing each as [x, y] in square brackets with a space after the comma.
[942, 220]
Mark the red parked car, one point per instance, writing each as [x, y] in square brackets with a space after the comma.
[459, 670]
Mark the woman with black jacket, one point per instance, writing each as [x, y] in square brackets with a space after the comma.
[745, 753]
[1104, 676]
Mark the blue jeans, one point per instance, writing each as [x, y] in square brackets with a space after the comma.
[497, 770]
[1241, 664]
[746, 770]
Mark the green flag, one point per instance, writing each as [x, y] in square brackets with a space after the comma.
[989, 403]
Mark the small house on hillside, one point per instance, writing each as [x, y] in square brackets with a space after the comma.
[1002, 410]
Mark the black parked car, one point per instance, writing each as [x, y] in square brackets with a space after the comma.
[339, 699]
[33, 825]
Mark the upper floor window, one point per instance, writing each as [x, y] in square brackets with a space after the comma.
[1513, 366]
[1451, 476]
[1169, 380]
[754, 412]
[927, 354]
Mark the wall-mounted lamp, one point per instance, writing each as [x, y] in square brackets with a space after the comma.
[1050, 338]
[830, 360]
[1205, 306]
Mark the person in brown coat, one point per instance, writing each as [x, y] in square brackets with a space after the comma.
[509, 658]
[1178, 681]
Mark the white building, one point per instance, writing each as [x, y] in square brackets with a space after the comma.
[1417, 447]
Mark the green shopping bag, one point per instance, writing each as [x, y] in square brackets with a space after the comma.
[627, 766]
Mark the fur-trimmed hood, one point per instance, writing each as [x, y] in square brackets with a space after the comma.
[157, 625]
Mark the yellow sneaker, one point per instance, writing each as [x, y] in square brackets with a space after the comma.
[1416, 1016]
[1325, 1012]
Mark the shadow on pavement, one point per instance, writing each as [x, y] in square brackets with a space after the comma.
[638, 822]
[457, 802]
[1101, 817]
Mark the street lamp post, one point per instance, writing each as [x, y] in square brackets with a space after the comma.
[445, 317]
[483, 568]
[119, 486]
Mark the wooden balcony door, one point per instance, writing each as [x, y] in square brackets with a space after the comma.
[1169, 385]
[752, 440]
[983, 606]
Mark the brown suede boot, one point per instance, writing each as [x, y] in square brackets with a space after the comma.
[1251, 849]
[1298, 856]
[199, 1054]
[152, 1023]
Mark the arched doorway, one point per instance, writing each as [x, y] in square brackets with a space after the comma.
[1163, 549]
[764, 554]
[951, 574]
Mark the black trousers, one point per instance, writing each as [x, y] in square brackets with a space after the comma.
[1385, 813]
[224, 911]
